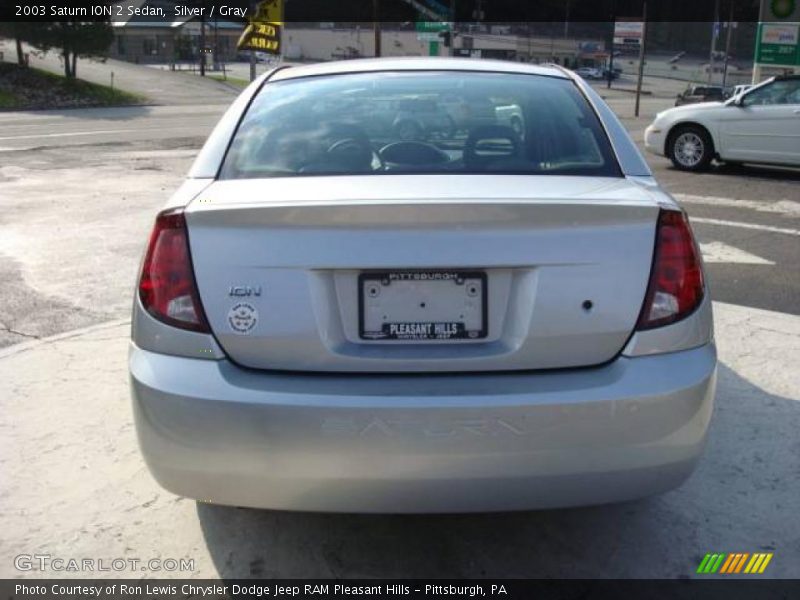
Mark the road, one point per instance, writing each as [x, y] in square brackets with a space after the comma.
[78, 191]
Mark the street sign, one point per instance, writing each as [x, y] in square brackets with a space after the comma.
[432, 26]
[628, 33]
[263, 33]
[777, 44]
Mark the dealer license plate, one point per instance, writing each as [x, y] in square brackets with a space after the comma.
[422, 305]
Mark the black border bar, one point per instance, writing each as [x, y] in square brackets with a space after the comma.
[721, 588]
[351, 12]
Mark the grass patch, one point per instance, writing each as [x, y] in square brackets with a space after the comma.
[236, 81]
[29, 88]
[8, 99]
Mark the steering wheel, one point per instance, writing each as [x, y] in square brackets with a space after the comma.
[413, 153]
[355, 152]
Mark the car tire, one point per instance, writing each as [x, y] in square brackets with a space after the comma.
[690, 148]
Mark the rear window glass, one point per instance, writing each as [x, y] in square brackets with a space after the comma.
[419, 122]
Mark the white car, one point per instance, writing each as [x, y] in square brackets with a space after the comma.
[740, 89]
[761, 125]
[589, 73]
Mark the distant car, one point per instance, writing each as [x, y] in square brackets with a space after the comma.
[739, 89]
[468, 110]
[261, 57]
[700, 93]
[329, 320]
[416, 118]
[589, 73]
[511, 115]
[760, 125]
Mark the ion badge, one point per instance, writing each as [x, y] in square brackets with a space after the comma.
[242, 317]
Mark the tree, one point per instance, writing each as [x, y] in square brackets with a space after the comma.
[75, 39]
[19, 32]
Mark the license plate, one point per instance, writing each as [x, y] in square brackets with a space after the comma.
[422, 305]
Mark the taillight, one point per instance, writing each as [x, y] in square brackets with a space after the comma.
[676, 280]
[167, 288]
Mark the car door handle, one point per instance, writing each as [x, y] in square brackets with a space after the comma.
[796, 111]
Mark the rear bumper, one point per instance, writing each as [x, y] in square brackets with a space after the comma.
[420, 443]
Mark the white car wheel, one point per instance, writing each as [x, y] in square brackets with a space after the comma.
[690, 149]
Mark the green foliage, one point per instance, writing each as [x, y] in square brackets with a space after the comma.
[73, 38]
[29, 88]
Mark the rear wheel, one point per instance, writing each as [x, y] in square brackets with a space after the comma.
[690, 149]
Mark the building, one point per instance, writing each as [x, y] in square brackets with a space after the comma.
[173, 41]
[315, 43]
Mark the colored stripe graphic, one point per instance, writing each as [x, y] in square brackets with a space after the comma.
[715, 565]
[727, 564]
[765, 563]
[734, 563]
[703, 563]
[741, 563]
[757, 558]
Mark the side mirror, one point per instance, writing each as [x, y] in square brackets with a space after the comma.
[738, 101]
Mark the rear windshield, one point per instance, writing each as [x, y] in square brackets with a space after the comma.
[419, 122]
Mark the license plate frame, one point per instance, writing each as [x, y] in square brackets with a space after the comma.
[422, 330]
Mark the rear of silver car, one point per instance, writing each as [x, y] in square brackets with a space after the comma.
[422, 342]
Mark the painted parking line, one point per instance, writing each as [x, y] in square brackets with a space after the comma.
[744, 225]
[783, 207]
[66, 134]
[719, 252]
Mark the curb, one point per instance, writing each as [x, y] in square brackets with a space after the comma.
[33, 344]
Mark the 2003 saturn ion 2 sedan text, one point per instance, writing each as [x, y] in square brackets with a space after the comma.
[334, 317]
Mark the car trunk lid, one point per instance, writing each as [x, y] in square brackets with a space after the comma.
[563, 261]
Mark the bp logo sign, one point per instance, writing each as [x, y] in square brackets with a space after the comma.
[782, 9]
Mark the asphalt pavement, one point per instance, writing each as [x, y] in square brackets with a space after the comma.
[78, 192]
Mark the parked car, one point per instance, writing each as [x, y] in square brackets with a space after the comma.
[508, 324]
[700, 93]
[418, 118]
[468, 109]
[760, 125]
[511, 115]
[589, 73]
[738, 89]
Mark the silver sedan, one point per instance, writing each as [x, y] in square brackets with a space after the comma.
[332, 317]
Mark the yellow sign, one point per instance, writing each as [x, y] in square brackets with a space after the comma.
[269, 11]
[264, 31]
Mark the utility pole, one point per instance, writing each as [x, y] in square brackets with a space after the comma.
[727, 47]
[452, 27]
[202, 44]
[610, 74]
[376, 23]
[566, 21]
[641, 59]
[253, 9]
[714, 29]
